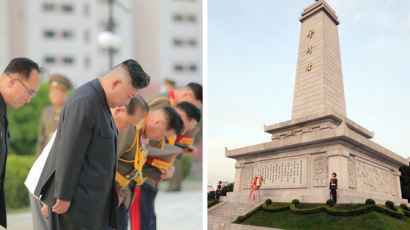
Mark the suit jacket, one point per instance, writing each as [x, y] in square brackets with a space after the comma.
[82, 161]
[4, 146]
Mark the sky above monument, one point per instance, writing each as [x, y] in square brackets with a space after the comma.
[252, 54]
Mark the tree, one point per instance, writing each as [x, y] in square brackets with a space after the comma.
[405, 182]
[24, 123]
[226, 188]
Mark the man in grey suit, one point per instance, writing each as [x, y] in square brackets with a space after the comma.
[77, 182]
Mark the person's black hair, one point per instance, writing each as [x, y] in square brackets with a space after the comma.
[137, 102]
[197, 89]
[191, 110]
[174, 120]
[23, 66]
[139, 78]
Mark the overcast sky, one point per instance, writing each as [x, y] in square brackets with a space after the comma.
[252, 54]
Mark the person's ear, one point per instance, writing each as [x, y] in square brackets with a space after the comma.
[118, 110]
[115, 83]
[11, 82]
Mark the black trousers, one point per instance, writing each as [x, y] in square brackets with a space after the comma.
[334, 195]
[64, 222]
[147, 207]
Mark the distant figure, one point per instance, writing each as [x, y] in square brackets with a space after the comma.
[167, 85]
[218, 190]
[256, 184]
[333, 187]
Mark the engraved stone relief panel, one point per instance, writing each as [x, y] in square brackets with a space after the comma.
[320, 171]
[247, 177]
[352, 172]
[282, 173]
[373, 179]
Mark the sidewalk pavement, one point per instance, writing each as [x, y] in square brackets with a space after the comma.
[175, 210]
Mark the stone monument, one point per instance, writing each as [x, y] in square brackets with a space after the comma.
[319, 139]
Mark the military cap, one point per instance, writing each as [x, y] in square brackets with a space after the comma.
[60, 81]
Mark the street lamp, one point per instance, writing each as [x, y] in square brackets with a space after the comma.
[108, 39]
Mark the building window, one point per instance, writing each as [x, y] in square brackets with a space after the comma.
[178, 42]
[49, 7]
[178, 68]
[67, 8]
[178, 17]
[48, 34]
[68, 60]
[192, 42]
[49, 60]
[192, 68]
[192, 18]
[67, 34]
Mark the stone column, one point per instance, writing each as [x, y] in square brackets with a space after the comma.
[238, 177]
[398, 187]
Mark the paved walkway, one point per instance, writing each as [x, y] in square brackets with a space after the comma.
[175, 210]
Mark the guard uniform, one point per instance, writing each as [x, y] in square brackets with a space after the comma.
[333, 188]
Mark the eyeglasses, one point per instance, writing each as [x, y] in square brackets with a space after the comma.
[30, 92]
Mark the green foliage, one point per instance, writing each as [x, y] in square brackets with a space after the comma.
[370, 202]
[268, 202]
[390, 205]
[404, 207]
[388, 211]
[186, 164]
[323, 221]
[274, 208]
[295, 210]
[212, 202]
[24, 123]
[330, 202]
[16, 172]
[247, 215]
[211, 195]
[405, 182]
[349, 212]
[226, 188]
[295, 201]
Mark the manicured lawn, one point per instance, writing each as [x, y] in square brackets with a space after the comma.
[287, 220]
[307, 205]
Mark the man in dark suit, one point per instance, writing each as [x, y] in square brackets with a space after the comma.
[77, 182]
[18, 83]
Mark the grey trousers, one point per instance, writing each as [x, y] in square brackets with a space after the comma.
[39, 221]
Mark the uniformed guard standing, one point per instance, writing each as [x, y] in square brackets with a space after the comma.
[59, 86]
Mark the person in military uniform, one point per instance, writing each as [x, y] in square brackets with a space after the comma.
[158, 166]
[133, 149]
[190, 93]
[59, 86]
[333, 187]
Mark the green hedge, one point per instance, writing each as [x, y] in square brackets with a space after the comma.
[16, 172]
[352, 212]
[212, 203]
[240, 219]
[295, 210]
[265, 207]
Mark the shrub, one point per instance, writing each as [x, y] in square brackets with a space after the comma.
[404, 207]
[275, 209]
[295, 210]
[211, 195]
[387, 211]
[370, 202]
[212, 203]
[268, 201]
[226, 188]
[295, 201]
[16, 172]
[330, 202]
[390, 205]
